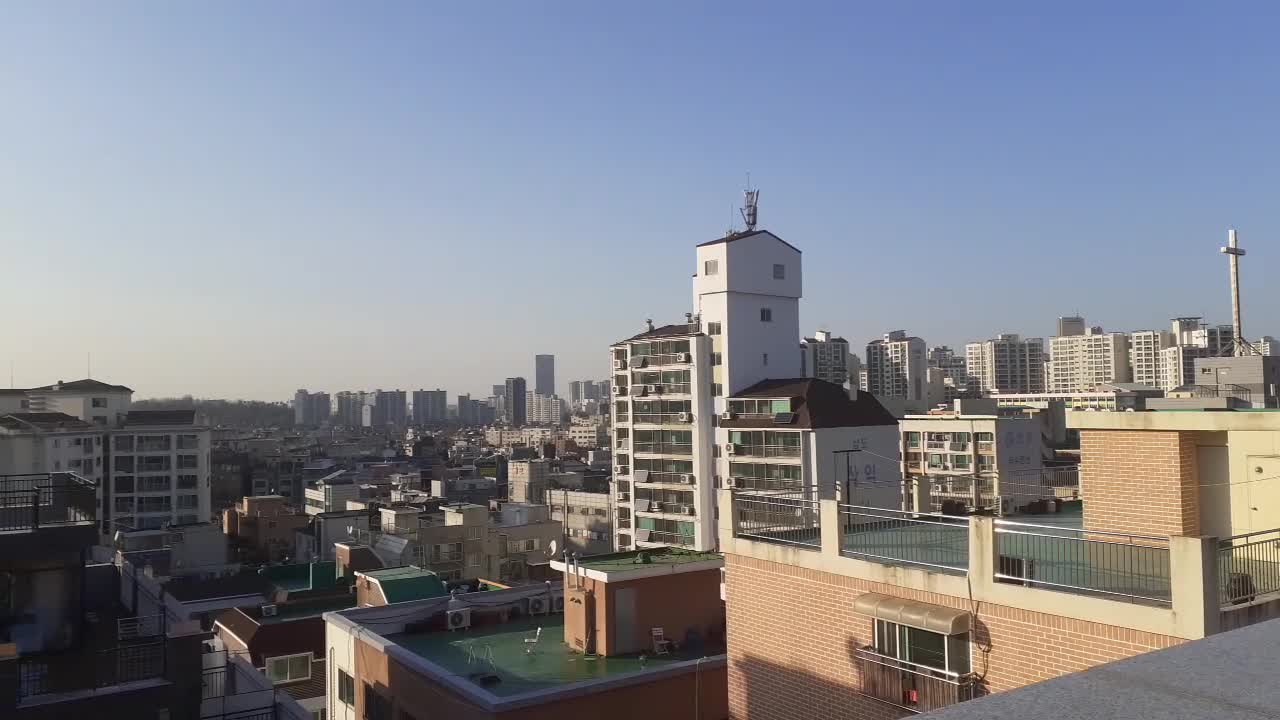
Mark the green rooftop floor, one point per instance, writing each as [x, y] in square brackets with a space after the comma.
[501, 650]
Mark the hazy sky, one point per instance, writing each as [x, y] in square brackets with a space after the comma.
[237, 199]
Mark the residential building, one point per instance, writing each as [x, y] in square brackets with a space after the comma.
[577, 391]
[316, 542]
[587, 518]
[377, 587]
[543, 409]
[389, 408]
[1146, 349]
[903, 625]
[1070, 325]
[1178, 366]
[618, 636]
[1267, 345]
[311, 409]
[527, 480]
[430, 407]
[855, 372]
[350, 408]
[262, 528]
[1078, 363]
[1252, 379]
[544, 375]
[896, 367]
[1007, 363]
[160, 471]
[974, 458]
[589, 432]
[331, 493]
[825, 357]
[1107, 396]
[90, 400]
[954, 369]
[50, 442]
[514, 408]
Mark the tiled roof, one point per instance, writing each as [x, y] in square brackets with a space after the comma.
[80, 386]
[676, 330]
[43, 421]
[819, 404]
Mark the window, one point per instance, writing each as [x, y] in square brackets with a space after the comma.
[717, 390]
[779, 271]
[473, 533]
[123, 443]
[913, 439]
[188, 482]
[766, 315]
[99, 402]
[922, 647]
[57, 442]
[123, 505]
[713, 328]
[765, 358]
[710, 267]
[188, 462]
[99, 419]
[473, 559]
[188, 502]
[289, 668]
[188, 442]
[717, 358]
[124, 483]
[376, 707]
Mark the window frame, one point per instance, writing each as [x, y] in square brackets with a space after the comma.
[287, 660]
[888, 638]
[779, 271]
[766, 314]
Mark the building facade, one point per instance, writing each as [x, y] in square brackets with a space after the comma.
[544, 374]
[160, 471]
[1078, 363]
[515, 410]
[1007, 363]
[896, 367]
[825, 357]
[430, 407]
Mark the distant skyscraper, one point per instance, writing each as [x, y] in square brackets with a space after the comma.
[321, 408]
[466, 410]
[896, 366]
[544, 377]
[1006, 364]
[430, 406]
[1070, 325]
[390, 407]
[577, 392]
[499, 390]
[1079, 363]
[825, 357]
[350, 408]
[302, 407]
[514, 402]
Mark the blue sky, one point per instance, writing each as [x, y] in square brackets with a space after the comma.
[238, 199]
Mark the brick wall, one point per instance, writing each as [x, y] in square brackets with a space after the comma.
[1140, 481]
[793, 633]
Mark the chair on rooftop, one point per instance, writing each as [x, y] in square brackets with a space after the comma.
[661, 645]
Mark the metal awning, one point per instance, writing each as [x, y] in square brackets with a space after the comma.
[912, 613]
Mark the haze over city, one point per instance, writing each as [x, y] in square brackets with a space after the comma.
[239, 200]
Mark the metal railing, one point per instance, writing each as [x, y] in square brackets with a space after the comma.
[1248, 566]
[670, 478]
[213, 682]
[89, 669]
[768, 451]
[666, 537]
[910, 685]
[1231, 390]
[666, 359]
[643, 418]
[935, 541]
[144, 626]
[662, 448]
[1117, 565]
[788, 517]
[29, 502]
[747, 482]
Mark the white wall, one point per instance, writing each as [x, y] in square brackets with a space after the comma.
[340, 646]
[875, 470]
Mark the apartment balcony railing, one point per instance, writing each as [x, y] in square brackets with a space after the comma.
[663, 448]
[90, 669]
[1240, 392]
[29, 502]
[767, 451]
[446, 557]
[940, 542]
[910, 685]
[640, 389]
[787, 517]
[624, 523]
[743, 482]
[667, 359]
[1091, 562]
[668, 478]
[936, 445]
[681, 418]
[664, 537]
[1248, 566]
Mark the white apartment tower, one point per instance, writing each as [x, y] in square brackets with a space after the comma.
[1079, 363]
[670, 382]
[896, 366]
[160, 471]
[825, 357]
[1145, 356]
[1007, 363]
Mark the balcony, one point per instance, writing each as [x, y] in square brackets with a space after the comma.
[663, 537]
[767, 451]
[682, 418]
[679, 449]
[785, 517]
[664, 478]
[908, 685]
[78, 670]
[61, 507]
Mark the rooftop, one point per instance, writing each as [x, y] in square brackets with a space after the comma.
[638, 560]
[160, 417]
[1226, 677]
[503, 652]
[818, 404]
[666, 331]
[401, 584]
[22, 421]
[80, 386]
[731, 237]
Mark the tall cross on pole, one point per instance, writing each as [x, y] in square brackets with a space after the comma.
[1233, 252]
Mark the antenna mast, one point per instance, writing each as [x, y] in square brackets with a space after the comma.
[750, 207]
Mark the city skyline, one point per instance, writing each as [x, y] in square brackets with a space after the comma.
[1028, 182]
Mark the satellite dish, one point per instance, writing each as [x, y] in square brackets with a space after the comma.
[551, 548]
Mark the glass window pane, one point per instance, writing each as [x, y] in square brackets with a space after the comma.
[926, 648]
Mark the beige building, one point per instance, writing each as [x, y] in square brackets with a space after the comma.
[587, 518]
[896, 367]
[1146, 356]
[911, 612]
[527, 480]
[1078, 363]
[1006, 363]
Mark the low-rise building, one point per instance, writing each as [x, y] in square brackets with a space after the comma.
[263, 528]
[587, 518]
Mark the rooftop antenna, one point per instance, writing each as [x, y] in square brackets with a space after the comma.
[750, 208]
[1234, 252]
[88, 365]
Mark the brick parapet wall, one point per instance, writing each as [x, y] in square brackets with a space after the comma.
[1140, 481]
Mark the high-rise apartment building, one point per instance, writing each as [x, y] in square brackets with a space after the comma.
[390, 407]
[1267, 345]
[160, 471]
[1070, 325]
[310, 408]
[544, 374]
[543, 410]
[669, 382]
[1145, 356]
[514, 400]
[350, 408]
[466, 410]
[1007, 363]
[825, 357]
[1081, 362]
[430, 406]
[896, 366]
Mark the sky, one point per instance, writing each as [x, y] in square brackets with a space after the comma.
[238, 199]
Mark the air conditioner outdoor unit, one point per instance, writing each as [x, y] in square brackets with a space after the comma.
[459, 619]
[728, 415]
[619, 364]
[687, 509]
[269, 610]
[687, 478]
[557, 604]
[653, 388]
[738, 483]
[686, 417]
[731, 449]
[655, 507]
[538, 605]
[683, 357]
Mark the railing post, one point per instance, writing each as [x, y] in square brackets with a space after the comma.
[35, 508]
[829, 526]
[1193, 586]
[982, 553]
